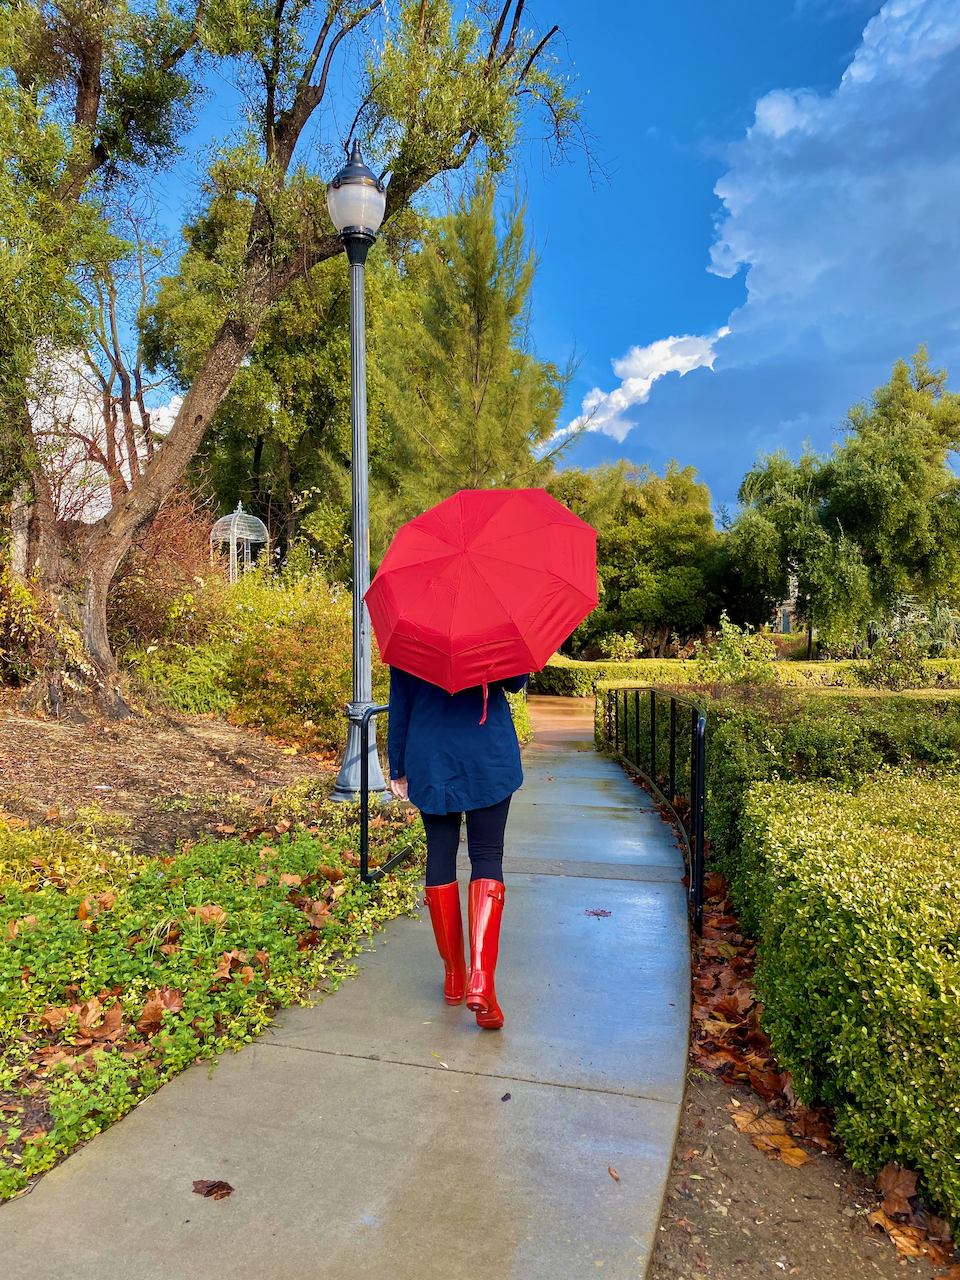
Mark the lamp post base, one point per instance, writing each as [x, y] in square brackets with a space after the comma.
[348, 779]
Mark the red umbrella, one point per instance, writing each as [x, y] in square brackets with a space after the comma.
[484, 586]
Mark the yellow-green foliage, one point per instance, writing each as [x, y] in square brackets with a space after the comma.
[290, 672]
[521, 716]
[857, 895]
[32, 629]
[567, 677]
[42, 857]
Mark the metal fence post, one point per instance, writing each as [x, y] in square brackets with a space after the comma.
[653, 734]
[697, 869]
[673, 750]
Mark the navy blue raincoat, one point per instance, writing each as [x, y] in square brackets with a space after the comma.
[452, 762]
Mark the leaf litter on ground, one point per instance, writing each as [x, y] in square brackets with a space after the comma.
[729, 1043]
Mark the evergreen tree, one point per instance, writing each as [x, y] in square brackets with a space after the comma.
[468, 404]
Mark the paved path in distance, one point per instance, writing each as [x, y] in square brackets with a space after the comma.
[380, 1135]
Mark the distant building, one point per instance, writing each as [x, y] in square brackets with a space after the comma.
[785, 617]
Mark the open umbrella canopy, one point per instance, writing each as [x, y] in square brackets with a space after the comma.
[484, 586]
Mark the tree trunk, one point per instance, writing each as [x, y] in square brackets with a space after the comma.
[75, 565]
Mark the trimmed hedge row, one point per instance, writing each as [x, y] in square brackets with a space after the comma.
[859, 973]
[843, 859]
[565, 677]
[765, 734]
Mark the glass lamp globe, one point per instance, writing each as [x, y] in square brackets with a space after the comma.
[356, 199]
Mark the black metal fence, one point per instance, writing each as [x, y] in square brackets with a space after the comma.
[662, 736]
[366, 875]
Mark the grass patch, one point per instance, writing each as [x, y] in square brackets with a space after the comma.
[117, 971]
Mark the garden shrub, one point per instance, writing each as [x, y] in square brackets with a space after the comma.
[189, 678]
[520, 711]
[291, 672]
[567, 677]
[735, 656]
[897, 662]
[764, 734]
[618, 648]
[855, 898]
[166, 590]
[753, 737]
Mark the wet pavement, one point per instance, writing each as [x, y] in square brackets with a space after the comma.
[381, 1134]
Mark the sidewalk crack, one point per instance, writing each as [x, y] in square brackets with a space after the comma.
[460, 1071]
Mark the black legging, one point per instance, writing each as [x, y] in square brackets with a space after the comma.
[485, 829]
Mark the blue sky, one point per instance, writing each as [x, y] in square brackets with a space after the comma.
[788, 172]
[781, 219]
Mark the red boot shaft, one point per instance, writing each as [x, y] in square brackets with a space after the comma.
[486, 912]
[444, 903]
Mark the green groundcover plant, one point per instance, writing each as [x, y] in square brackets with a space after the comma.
[117, 971]
[856, 899]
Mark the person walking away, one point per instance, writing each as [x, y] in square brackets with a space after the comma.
[452, 754]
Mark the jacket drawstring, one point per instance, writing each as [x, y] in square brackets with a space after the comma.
[484, 716]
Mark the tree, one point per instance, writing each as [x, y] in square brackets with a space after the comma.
[876, 522]
[467, 403]
[655, 557]
[434, 94]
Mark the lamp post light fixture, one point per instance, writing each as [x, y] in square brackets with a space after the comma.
[357, 201]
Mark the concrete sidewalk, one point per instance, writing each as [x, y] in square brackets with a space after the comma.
[380, 1135]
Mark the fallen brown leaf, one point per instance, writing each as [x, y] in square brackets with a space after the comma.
[112, 1023]
[90, 1013]
[778, 1144]
[54, 1017]
[748, 1123]
[613, 1173]
[212, 1189]
[151, 1018]
[209, 914]
[897, 1185]
[171, 999]
[25, 922]
[289, 878]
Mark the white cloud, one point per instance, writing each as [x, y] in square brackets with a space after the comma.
[638, 370]
[843, 210]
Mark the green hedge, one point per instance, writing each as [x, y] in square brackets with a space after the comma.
[758, 735]
[859, 960]
[566, 677]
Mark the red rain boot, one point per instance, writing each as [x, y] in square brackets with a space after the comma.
[486, 910]
[444, 903]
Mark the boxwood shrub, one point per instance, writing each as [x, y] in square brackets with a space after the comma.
[566, 677]
[779, 734]
[855, 896]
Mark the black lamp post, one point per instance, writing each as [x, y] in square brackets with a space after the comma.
[357, 201]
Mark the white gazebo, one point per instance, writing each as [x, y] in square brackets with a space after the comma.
[238, 528]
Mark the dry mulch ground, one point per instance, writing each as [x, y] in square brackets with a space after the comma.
[162, 778]
[757, 1185]
[731, 1212]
